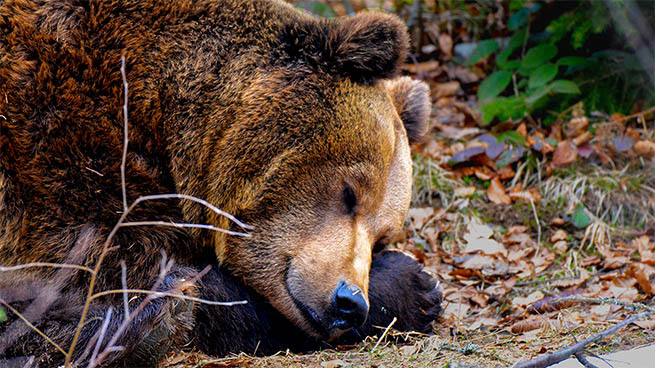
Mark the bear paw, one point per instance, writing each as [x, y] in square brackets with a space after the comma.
[399, 288]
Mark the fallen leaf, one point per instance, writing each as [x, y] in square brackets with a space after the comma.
[333, 363]
[496, 192]
[645, 148]
[561, 246]
[520, 254]
[524, 301]
[424, 67]
[577, 126]
[486, 246]
[446, 45]
[648, 324]
[484, 173]
[527, 195]
[583, 276]
[464, 191]
[601, 312]
[445, 89]
[522, 239]
[506, 173]
[485, 321]
[645, 276]
[615, 262]
[558, 235]
[565, 153]
[419, 216]
[526, 325]
[582, 138]
[522, 130]
[590, 261]
[454, 312]
[558, 222]
[543, 260]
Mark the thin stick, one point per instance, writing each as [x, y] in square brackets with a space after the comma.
[579, 299]
[126, 307]
[44, 264]
[386, 330]
[101, 336]
[158, 294]
[125, 136]
[17, 313]
[550, 359]
[536, 218]
[193, 199]
[183, 225]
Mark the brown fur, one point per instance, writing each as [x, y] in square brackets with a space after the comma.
[262, 110]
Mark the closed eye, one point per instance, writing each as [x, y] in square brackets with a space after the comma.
[349, 200]
[379, 246]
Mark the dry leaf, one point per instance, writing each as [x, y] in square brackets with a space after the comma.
[565, 153]
[648, 324]
[583, 276]
[454, 312]
[496, 192]
[527, 195]
[561, 246]
[520, 254]
[645, 276]
[333, 363]
[486, 246]
[424, 67]
[446, 45]
[589, 261]
[645, 148]
[526, 325]
[524, 301]
[558, 222]
[522, 130]
[465, 191]
[419, 216]
[582, 138]
[484, 173]
[577, 126]
[445, 89]
[506, 173]
[543, 260]
[615, 262]
[559, 235]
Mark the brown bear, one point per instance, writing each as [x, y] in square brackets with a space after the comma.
[297, 126]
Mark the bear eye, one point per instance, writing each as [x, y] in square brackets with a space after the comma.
[349, 199]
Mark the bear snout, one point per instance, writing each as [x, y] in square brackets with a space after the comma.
[351, 309]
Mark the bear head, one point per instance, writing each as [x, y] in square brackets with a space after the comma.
[318, 163]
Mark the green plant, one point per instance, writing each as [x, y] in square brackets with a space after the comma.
[551, 64]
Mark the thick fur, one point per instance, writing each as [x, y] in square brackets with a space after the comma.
[262, 110]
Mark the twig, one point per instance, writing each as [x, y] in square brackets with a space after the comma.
[158, 294]
[44, 264]
[183, 225]
[101, 335]
[36, 329]
[578, 299]
[126, 306]
[536, 218]
[583, 360]
[125, 136]
[550, 359]
[386, 330]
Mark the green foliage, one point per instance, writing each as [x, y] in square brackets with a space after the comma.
[556, 66]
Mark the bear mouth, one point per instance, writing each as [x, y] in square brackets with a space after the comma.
[310, 316]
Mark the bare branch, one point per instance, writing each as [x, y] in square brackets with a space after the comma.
[28, 323]
[158, 294]
[101, 336]
[126, 306]
[550, 359]
[183, 225]
[44, 264]
[125, 136]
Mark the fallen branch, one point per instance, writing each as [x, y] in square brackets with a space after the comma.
[561, 355]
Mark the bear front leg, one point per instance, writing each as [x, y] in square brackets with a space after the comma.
[162, 324]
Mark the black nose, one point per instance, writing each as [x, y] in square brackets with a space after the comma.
[351, 306]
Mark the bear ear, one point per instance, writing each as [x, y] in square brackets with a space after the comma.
[412, 101]
[365, 48]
